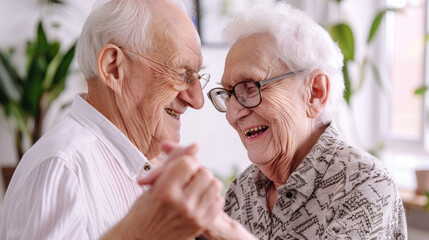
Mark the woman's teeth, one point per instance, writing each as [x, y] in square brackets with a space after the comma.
[253, 132]
[172, 113]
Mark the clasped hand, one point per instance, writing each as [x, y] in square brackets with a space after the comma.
[183, 201]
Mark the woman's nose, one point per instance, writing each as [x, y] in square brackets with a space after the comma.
[234, 110]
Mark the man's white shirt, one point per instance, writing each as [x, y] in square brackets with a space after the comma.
[76, 182]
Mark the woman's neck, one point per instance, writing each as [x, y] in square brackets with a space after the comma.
[279, 170]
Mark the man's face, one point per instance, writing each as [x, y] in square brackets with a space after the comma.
[276, 124]
[152, 100]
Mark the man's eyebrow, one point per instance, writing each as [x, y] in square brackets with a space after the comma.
[191, 66]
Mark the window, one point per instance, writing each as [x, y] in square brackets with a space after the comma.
[405, 44]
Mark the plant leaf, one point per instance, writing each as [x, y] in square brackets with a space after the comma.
[33, 87]
[343, 34]
[421, 90]
[376, 24]
[377, 76]
[10, 81]
[43, 46]
[64, 65]
[347, 84]
[19, 116]
[60, 70]
[362, 73]
[54, 48]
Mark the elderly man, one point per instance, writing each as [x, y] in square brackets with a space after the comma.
[141, 61]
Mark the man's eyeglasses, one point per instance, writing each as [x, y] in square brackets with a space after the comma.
[247, 93]
[188, 77]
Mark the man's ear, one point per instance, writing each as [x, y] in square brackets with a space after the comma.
[111, 66]
[318, 92]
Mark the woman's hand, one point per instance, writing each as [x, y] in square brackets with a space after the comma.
[225, 228]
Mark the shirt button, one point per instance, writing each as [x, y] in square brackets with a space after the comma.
[289, 194]
[146, 167]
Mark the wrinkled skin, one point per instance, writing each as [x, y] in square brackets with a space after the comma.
[289, 108]
[179, 209]
[288, 111]
[282, 108]
[139, 96]
[140, 92]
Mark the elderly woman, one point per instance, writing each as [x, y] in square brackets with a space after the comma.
[281, 84]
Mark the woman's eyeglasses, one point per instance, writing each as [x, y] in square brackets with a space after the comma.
[247, 93]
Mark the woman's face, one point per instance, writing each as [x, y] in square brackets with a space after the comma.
[278, 125]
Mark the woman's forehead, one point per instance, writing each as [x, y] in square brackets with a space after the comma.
[250, 57]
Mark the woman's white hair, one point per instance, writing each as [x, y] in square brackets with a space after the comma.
[123, 22]
[302, 44]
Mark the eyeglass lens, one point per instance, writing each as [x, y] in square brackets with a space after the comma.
[191, 76]
[246, 93]
[204, 79]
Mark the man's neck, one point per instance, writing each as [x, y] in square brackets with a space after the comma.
[103, 99]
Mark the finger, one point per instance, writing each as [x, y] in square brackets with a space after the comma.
[174, 152]
[215, 209]
[211, 193]
[197, 185]
[178, 151]
[180, 171]
[168, 146]
[151, 177]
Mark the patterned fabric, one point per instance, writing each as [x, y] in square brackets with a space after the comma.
[337, 192]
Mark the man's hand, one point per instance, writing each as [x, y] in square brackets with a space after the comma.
[183, 201]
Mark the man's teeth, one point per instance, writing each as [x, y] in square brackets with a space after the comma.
[172, 112]
[253, 132]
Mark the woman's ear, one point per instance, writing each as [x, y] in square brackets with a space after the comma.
[318, 89]
[111, 66]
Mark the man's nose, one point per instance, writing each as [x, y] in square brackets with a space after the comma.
[193, 96]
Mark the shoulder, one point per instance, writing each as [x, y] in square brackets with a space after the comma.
[354, 175]
[235, 191]
[244, 178]
[357, 186]
[59, 147]
[62, 140]
[357, 163]
[45, 204]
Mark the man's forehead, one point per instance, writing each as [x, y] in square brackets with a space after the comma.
[177, 45]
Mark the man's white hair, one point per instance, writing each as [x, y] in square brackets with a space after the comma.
[302, 44]
[123, 22]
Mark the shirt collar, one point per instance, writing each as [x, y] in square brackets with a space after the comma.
[311, 170]
[314, 166]
[127, 155]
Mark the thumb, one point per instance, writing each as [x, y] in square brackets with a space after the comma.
[174, 151]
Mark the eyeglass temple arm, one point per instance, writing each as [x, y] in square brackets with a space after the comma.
[263, 82]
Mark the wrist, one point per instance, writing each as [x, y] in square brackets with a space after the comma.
[118, 232]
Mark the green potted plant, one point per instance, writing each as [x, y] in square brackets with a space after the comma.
[25, 98]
